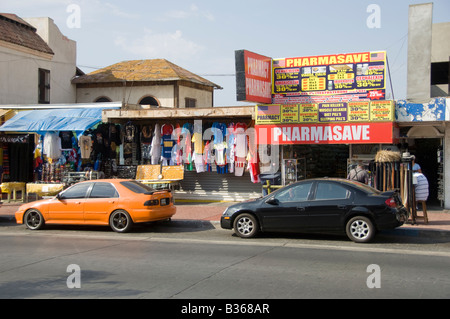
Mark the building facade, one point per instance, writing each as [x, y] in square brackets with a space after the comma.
[155, 83]
[39, 62]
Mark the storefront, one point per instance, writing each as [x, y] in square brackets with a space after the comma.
[203, 141]
[326, 139]
[43, 150]
[423, 133]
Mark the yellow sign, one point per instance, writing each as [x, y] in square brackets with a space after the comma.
[374, 111]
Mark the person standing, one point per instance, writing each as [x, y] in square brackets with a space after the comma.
[415, 167]
[359, 174]
[421, 188]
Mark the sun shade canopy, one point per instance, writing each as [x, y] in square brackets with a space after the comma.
[41, 121]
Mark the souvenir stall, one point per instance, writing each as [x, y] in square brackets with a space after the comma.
[69, 147]
[204, 149]
[184, 156]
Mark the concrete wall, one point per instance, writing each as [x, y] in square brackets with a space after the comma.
[19, 67]
[164, 94]
[419, 51]
[63, 66]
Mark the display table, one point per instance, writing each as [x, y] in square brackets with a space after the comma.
[165, 177]
[12, 188]
[43, 189]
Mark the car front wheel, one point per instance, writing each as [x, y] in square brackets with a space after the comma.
[33, 219]
[120, 221]
[360, 229]
[246, 226]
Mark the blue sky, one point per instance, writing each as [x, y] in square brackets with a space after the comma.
[201, 36]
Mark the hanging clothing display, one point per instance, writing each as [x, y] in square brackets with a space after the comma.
[231, 147]
[240, 148]
[167, 144]
[155, 151]
[129, 141]
[85, 145]
[52, 145]
[253, 165]
[67, 140]
[146, 140]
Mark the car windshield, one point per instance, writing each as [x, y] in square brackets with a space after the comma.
[137, 187]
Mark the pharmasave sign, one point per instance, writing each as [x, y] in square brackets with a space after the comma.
[326, 123]
[253, 77]
[329, 78]
[333, 133]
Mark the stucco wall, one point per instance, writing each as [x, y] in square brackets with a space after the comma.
[164, 94]
[19, 67]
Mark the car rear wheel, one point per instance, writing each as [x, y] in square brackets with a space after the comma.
[33, 219]
[246, 226]
[120, 221]
[360, 229]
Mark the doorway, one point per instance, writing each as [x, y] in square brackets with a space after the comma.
[426, 152]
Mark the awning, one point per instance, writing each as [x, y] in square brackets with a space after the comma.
[41, 121]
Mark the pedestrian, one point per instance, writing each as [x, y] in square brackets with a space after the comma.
[359, 174]
[415, 167]
[421, 187]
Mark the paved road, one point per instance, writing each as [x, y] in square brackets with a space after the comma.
[185, 260]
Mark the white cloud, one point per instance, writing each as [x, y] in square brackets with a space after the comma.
[159, 45]
[192, 13]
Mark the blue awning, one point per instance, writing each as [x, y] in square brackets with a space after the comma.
[41, 121]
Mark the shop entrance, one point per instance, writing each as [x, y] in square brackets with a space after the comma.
[426, 152]
[315, 161]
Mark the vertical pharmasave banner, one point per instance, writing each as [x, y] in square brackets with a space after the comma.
[330, 78]
[253, 77]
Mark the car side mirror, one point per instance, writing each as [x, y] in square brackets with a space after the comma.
[58, 196]
[272, 201]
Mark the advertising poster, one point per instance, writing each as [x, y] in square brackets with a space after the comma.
[267, 114]
[329, 78]
[308, 113]
[359, 111]
[289, 113]
[253, 77]
[381, 111]
[339, 112]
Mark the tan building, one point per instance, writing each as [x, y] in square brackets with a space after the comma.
[38, 62]
[157, 83]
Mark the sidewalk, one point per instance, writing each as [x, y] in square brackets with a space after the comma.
[438, 219]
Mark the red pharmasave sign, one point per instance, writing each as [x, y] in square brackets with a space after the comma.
[340, 133]
[253, 77]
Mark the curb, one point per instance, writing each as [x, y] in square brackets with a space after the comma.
[418, 233]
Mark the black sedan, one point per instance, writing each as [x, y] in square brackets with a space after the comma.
[325, 204]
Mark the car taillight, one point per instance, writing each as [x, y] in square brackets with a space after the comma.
[391, 202]
[152, 202]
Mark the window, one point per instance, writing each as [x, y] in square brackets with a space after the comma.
[295, 193]
[331, 191]
[103, 190]
[149, 100]
[44, 86]
[137, 187]
[102, 99]
[190, 103]
[76, 191]
[439, 73]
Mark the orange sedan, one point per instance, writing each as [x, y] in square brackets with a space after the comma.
[118, 203]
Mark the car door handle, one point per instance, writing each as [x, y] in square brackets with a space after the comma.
[111, 201]
[342, 206]
[301, 209]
